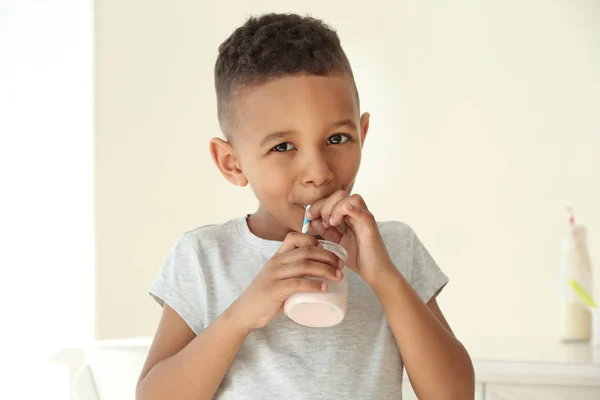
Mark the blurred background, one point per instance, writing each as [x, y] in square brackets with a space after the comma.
[485, 125]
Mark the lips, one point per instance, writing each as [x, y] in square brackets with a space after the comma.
[303, 205]
[312, 199]
[302, 201]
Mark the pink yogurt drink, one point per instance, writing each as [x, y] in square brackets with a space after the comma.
[321, 310]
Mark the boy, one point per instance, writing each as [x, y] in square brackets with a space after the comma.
[289, 110]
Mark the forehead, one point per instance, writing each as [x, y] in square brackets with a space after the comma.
[295, 103]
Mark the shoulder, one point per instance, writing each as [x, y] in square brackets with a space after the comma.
[209, 236]
[396, 232]
[199, 249]
[399, 239]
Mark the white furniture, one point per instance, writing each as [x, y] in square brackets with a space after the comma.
[505, 369]
[528, 369]
[112, 369]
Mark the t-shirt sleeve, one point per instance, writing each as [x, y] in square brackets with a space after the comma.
[180, 284]
[426, 277]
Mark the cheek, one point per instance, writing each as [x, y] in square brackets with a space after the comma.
[269, 182]
[347, 168]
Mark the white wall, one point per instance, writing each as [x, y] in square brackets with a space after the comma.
[46, 191]
[484, 115]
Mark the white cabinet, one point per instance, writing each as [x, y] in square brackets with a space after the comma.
[535, 392]
[530, 369]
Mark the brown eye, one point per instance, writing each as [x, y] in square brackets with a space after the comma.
[283, 147]
[337, 139]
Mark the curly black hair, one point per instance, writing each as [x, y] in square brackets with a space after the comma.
[271, 46]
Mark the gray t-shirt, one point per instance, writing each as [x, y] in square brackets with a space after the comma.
[209, 268]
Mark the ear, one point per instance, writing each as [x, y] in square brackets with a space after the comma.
[226, 161]
[364, 127]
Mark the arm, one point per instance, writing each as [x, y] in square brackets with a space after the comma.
[181, 365]
[437, 364]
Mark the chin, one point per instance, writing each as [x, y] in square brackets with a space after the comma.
[296, 216]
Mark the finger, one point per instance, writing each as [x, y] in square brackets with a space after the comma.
[332, 234]
[323, 208]
[341, 209]
[311, 268]
[295, 240]
[360, 220]
[316, 228]
[313, 253]
[290, 286]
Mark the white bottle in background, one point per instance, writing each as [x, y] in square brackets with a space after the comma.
[574, 315]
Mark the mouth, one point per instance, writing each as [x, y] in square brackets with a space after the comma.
[303, 204]
[316, 198]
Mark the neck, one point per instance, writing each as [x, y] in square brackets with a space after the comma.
[266, 226]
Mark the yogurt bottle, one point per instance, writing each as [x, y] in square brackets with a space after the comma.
[321, 310]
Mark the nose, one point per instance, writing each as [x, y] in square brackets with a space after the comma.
[316, 171]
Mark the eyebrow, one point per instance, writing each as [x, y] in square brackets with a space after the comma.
[278, 135]
[345, 122]
[274, 135]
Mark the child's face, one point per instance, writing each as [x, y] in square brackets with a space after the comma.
[296, 140]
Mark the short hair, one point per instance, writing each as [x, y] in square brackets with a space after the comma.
[272, 46]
